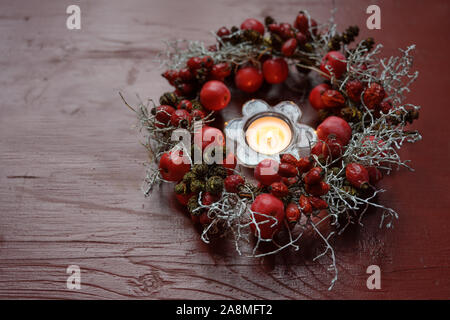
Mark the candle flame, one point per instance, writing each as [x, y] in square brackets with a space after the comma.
[270, 138]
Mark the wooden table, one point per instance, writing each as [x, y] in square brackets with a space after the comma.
[71, 164]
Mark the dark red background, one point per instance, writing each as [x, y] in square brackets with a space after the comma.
[71, 165]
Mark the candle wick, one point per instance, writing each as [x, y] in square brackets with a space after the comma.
[269, 138]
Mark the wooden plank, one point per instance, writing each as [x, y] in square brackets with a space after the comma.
[71, 165]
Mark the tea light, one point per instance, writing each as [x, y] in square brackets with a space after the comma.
[268, 135]
[267, 132]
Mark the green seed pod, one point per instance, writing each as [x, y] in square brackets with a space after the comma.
[351, 114]
[188, 177]
[181, 188]
[335, 170]
[169, 98]
[197, 186]
[200, 170]
[192, 205]
[218, 171]
[351, 190]
[202, 74]
[196, 105]
[268, 20]
[252, 36]
[214, 185]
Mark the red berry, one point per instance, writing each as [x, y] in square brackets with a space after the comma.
[279, 189]
[287, 170]
[170, 76]
[233, 182]
[184, 198]
[163, 114]
[313, 176]
[301, 38]
[304, 164]
[317, 150]
[335, 127]
[222, 32]
[335, 61]
[207, 62]
[174, 165]
[197, 114]
[292, 213]
[386, 106]
[275, 28]
[318, 203]
[267, 205]
[357, 175]
[354, 89]
[266, 172]
[186, 88]
[214, 95]
[185, 104]
[315, 96]
[333, 99]
[305, 204]
[204, 219]
[275, 70]
[209, 198]
[289, 47]
[373, 95]
[289, 158]
[289, 181]
[286, 31]
[185, 74]
[302, 23]
[220, 71]
[248, 79]
[194, 63]
[180, 118]
[253, 24]
[332, 147]
[375, 175]
[318, 189]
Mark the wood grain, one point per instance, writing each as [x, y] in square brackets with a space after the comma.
[71, 165]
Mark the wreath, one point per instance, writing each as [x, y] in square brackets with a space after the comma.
[363, 123]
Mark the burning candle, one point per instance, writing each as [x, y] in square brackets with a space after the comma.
[267, 132]
[268, 135]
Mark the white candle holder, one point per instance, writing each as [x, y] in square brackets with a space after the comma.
[303, 136]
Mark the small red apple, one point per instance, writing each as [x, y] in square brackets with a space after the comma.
[248, 79]
[173, 165]
[215, 95]
[269, 205]
[335, 128]
[275, 70]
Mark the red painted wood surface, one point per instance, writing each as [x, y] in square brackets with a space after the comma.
[71, 165]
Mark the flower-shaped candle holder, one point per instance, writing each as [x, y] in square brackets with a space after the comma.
[266, 132]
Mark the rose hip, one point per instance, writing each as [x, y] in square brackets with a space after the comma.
[287, 170]
[313, 176]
